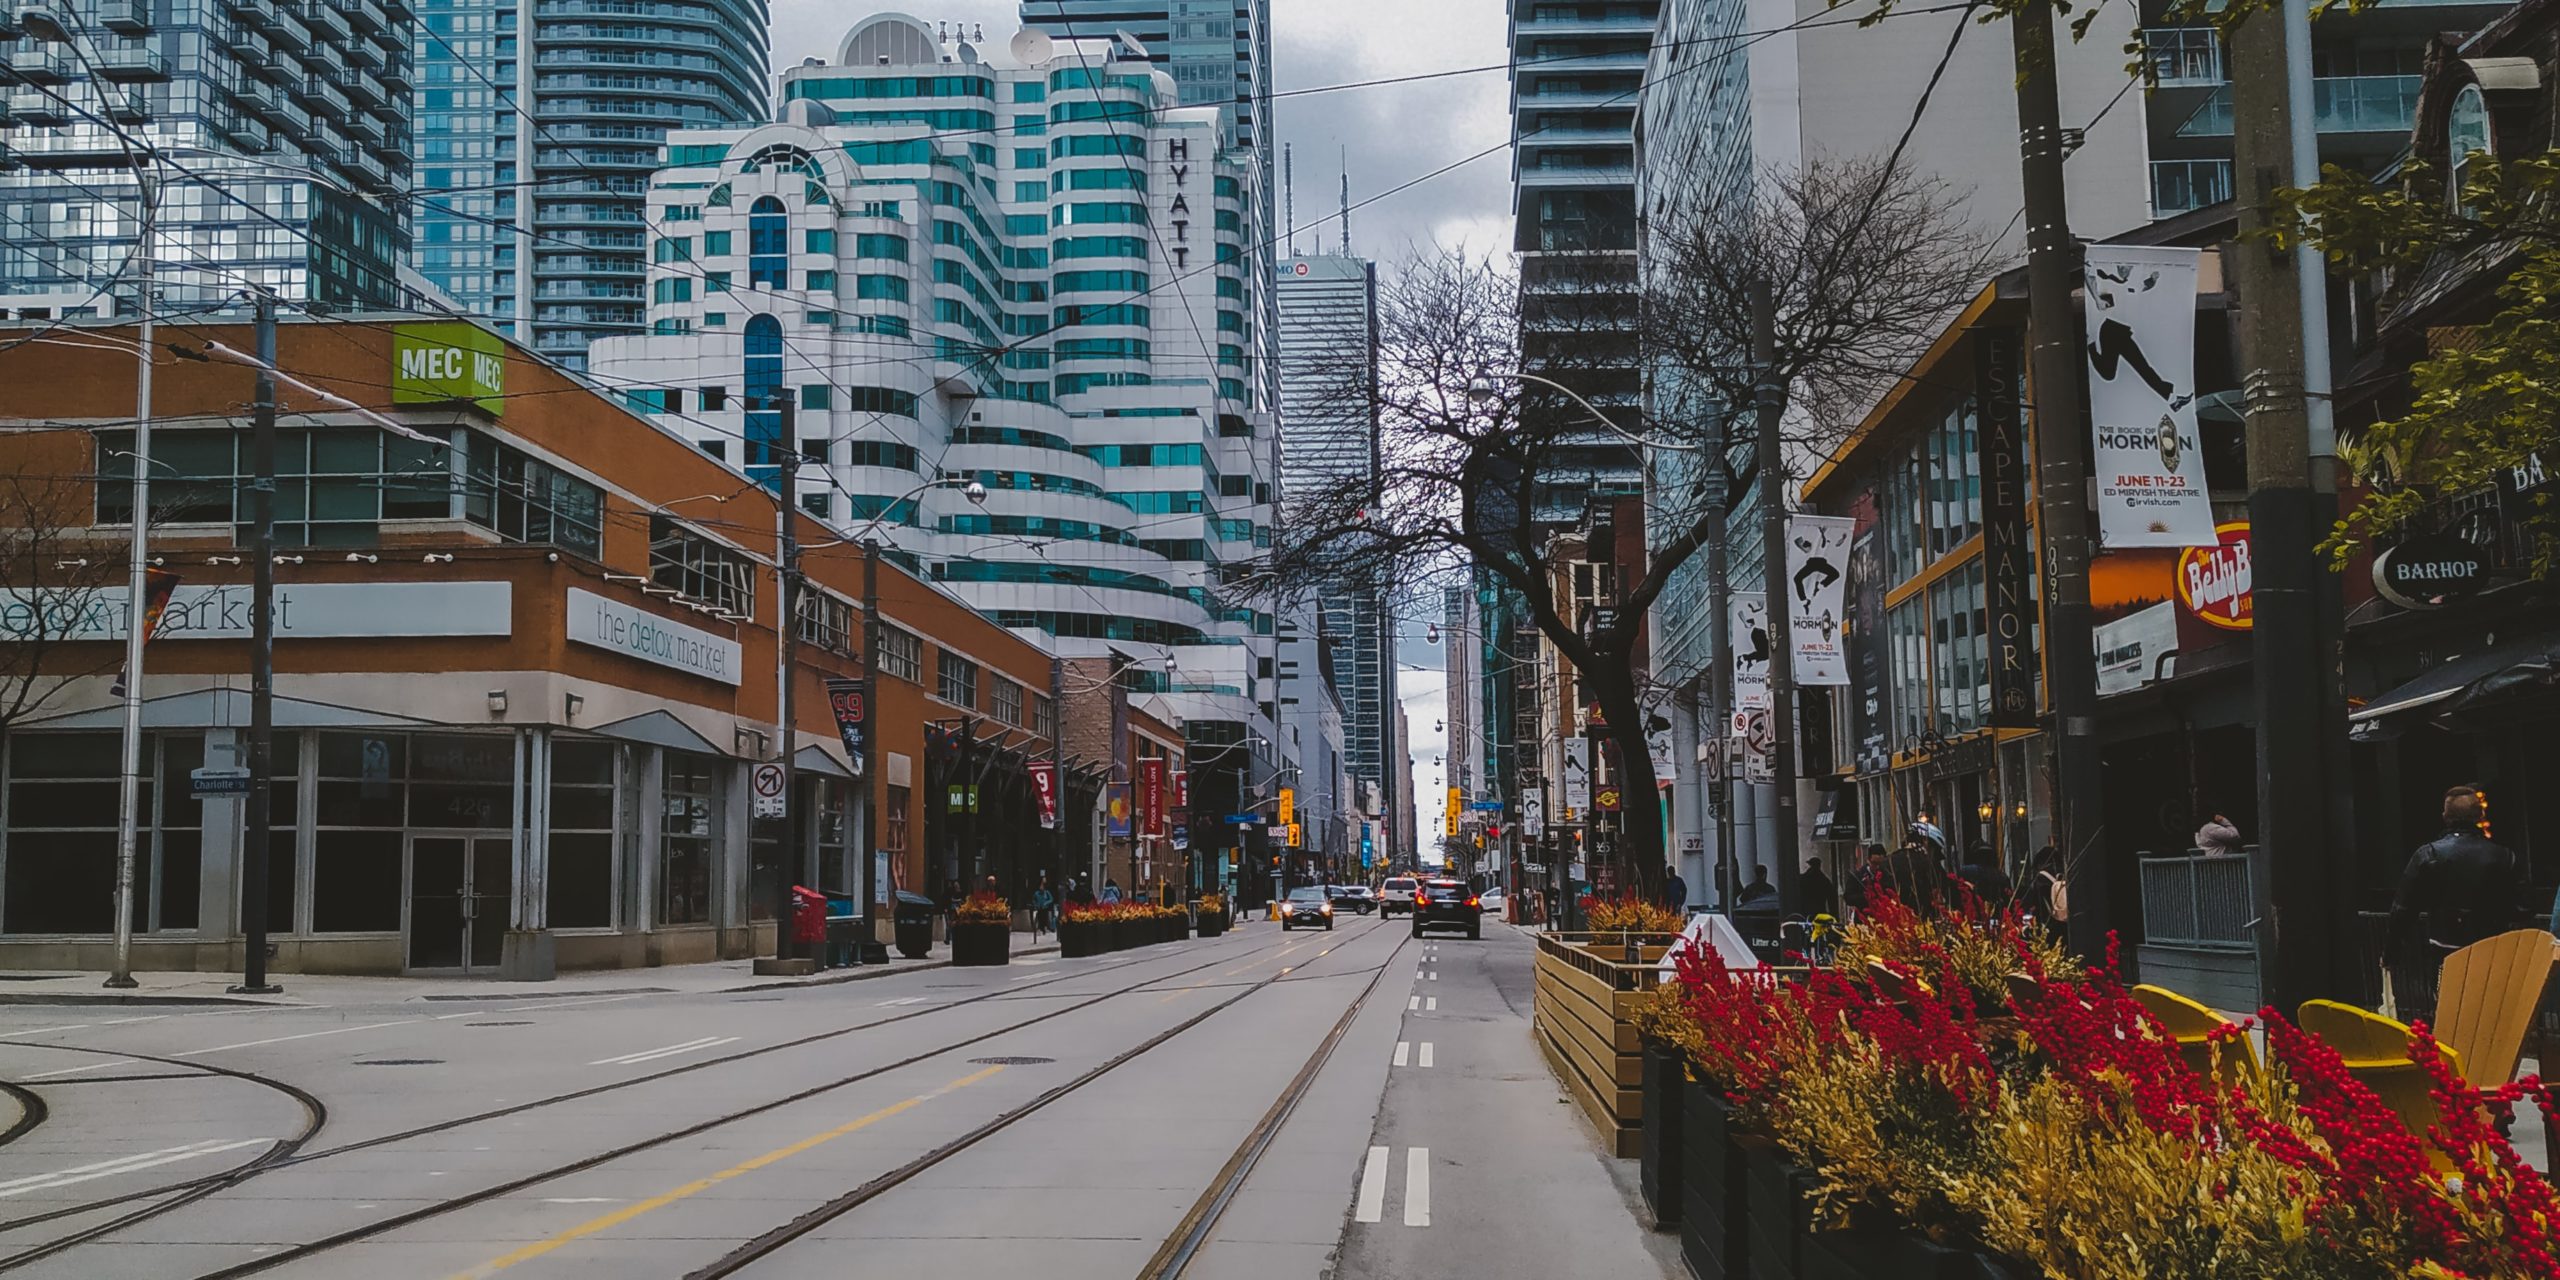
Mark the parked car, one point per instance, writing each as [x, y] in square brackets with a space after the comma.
[1397, 895]
[1495, 901]
[1306, 904]
[1355, 898]
[1447, 904]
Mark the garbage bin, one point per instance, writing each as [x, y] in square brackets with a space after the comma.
[915, 913]
[844, 918]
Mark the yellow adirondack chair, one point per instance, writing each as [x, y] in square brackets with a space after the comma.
[2192, 1025]
[2376, 1052]
[2485, 1001]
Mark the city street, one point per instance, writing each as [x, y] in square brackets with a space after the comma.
[1356, 1102]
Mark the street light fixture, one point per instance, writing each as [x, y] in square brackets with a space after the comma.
[1480, 393]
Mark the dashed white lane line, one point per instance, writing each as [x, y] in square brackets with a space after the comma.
[1424, 1057]
[1373, 1188]
[119, 1022]
[1417, 1186]
[1412, 1004]
[664, 1051]
[1431, 1005]
[1404, 1048]
[890, 1004]
[1433, 976]
[307, 1035]
[40, 1031]
[73, 1071]
[124, 1164]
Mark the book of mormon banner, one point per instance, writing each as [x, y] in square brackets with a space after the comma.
[2141, 309]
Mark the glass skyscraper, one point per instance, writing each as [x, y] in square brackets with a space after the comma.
[535, 218]
[282, 133]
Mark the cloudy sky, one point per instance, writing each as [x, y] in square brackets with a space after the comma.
[1385, 136]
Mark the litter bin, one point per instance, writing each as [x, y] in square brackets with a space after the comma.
[843, 919]
[915, 914]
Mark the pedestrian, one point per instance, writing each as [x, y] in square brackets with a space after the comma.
[1821, 897]
[1871, 883]
[1916, 871]
[1988, 882]
[1759, 895]
[2048, 892]
[1110, 890]
[2216, 837]
[1675, 891]
[1043, 902]
[2457, 889]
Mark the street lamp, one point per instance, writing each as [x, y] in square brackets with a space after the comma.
[1480, 393]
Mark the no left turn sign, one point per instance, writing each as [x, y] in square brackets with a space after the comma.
[767, 785]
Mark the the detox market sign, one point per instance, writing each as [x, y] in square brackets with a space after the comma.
[303, 611]
[636, 633]
[441, 362]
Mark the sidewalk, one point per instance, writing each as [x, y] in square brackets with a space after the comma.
[35, 987]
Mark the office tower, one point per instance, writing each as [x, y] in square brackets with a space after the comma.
[532, 218]
[1034, 277]
[282, 139]
[1328, 355]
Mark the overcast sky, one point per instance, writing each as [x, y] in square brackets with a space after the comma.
[1385, 136]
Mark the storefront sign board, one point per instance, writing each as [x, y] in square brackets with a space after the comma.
[637, 633]
[303, 611]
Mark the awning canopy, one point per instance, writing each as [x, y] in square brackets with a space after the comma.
[2529, 662]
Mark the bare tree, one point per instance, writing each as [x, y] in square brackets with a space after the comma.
[1864, 262]
[55, 579]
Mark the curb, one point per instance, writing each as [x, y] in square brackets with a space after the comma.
[30, 998]
[838, 977]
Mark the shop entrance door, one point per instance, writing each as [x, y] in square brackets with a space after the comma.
[459, 887]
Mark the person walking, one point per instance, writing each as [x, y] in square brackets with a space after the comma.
[1043, 903]
[1983, 875]
[2457, 889]
[1821, 897]
[1675, 891]
[1917, 873]
[2048, 894]
[1110, 890]
[1759, 895]
[1872, 882]
[2216, 837]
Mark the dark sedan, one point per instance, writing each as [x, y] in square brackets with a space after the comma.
[1306, 905]
[1447, 904]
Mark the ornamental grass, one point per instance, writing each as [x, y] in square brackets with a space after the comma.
[2061, 1125]
[1633, 915]
[983, 907]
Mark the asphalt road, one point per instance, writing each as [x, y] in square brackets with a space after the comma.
[1262, 1106]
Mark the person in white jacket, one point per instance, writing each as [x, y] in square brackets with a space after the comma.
[2217, 837]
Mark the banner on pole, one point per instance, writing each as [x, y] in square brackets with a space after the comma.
[1115, 810]
[1044, 784]
[853, 717]
[2148, 462]
[1817, 588]
[2008, 563]
[1577, 778]
[1151, 804]
[1750, 623]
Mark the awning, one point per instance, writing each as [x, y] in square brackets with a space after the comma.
[2467, 681]
[813, 760]
[659, 729]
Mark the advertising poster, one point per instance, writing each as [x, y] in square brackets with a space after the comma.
[1115, 810]
[1750, 622]
[1044, 784]
[1151, 794]
[1817, 587]
[2148, 464]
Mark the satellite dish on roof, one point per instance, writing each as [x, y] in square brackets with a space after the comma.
[1031, 48]
[1130, 42]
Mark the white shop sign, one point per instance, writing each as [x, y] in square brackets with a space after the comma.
[637, 633]
[303, 611]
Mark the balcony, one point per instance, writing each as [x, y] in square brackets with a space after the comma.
[324, 98]
[136, 64]
[325, 21]
[2184, 186]
[2340, 105]
[129, 107]
[125, 17]
[368, 170]
[2184, 57]
[364, 15]
[40, 109]
[39, 64]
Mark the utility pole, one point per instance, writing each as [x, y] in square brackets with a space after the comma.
[2062, 479]
[873, 867]
[786, 629]
[262, 660]
[1772, 465]
[1058, 775]
[2291, 878]
[1720, 654]
[137, 601]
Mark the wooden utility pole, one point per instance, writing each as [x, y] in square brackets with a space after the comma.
[1772, 465]
[2062, 481]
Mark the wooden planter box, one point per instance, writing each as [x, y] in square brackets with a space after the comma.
[1659, 1170]
[1711, 1208]
[981, 944]
[1583, 1003]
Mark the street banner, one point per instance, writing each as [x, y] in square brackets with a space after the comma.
[1533, 814]
[2149, 468]
[1456, 803]
[845, 698]
[1869, 710]
[1182, 792]
[158, 585]
[1044, 784]
[1115, 810]
[1577, 778]
[1750, 621]
[1657, 742]
[1817, 588]
[1151, 794]
[1288, 805]
[2008, 563]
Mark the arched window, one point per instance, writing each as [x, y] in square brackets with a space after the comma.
[2466, 140]
[763, 385]
[768, 245]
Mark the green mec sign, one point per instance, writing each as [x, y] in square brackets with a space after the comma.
[444, 361]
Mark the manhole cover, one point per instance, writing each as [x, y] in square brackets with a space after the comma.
[1012, 1062]
[498, 1024]
[402, 1062]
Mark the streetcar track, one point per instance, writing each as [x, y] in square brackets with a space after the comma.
[773, 1241]
[242, 1173]
[482, 1195]
[31, 1111]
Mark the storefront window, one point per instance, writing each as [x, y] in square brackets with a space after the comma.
[1906, 628]
[374, 789]
[835, 834]
[284, 809]
[688, 830]
[582, 826]
[893, 829]
[61, 839]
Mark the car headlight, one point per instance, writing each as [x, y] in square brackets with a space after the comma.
[1328, 908]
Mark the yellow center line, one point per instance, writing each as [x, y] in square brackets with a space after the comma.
[608, 1222]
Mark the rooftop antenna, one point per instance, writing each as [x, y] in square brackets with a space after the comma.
[1346, 202]
[1289, 190]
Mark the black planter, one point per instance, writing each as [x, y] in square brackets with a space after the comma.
[1212, 923]
[1860, 1255]
[1666, 1073]
[981, 944]
[1773, 1196]
[1712, 1237]
[1107, 936]
[1075, 939]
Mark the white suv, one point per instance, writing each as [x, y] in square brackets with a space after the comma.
[1396, 895]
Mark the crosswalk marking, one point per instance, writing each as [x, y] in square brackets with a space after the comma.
[1403, 1049]
[1413, 1004]
[1431, 1005]
[1373, 1188]
[1417, 1186]
[1425, 1056]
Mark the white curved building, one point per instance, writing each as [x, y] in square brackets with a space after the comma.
[1047, 278]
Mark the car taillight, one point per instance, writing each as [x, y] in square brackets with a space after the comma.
[1472, 902]
[1421, 900]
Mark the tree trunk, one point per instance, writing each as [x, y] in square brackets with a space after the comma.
[1640, 842]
